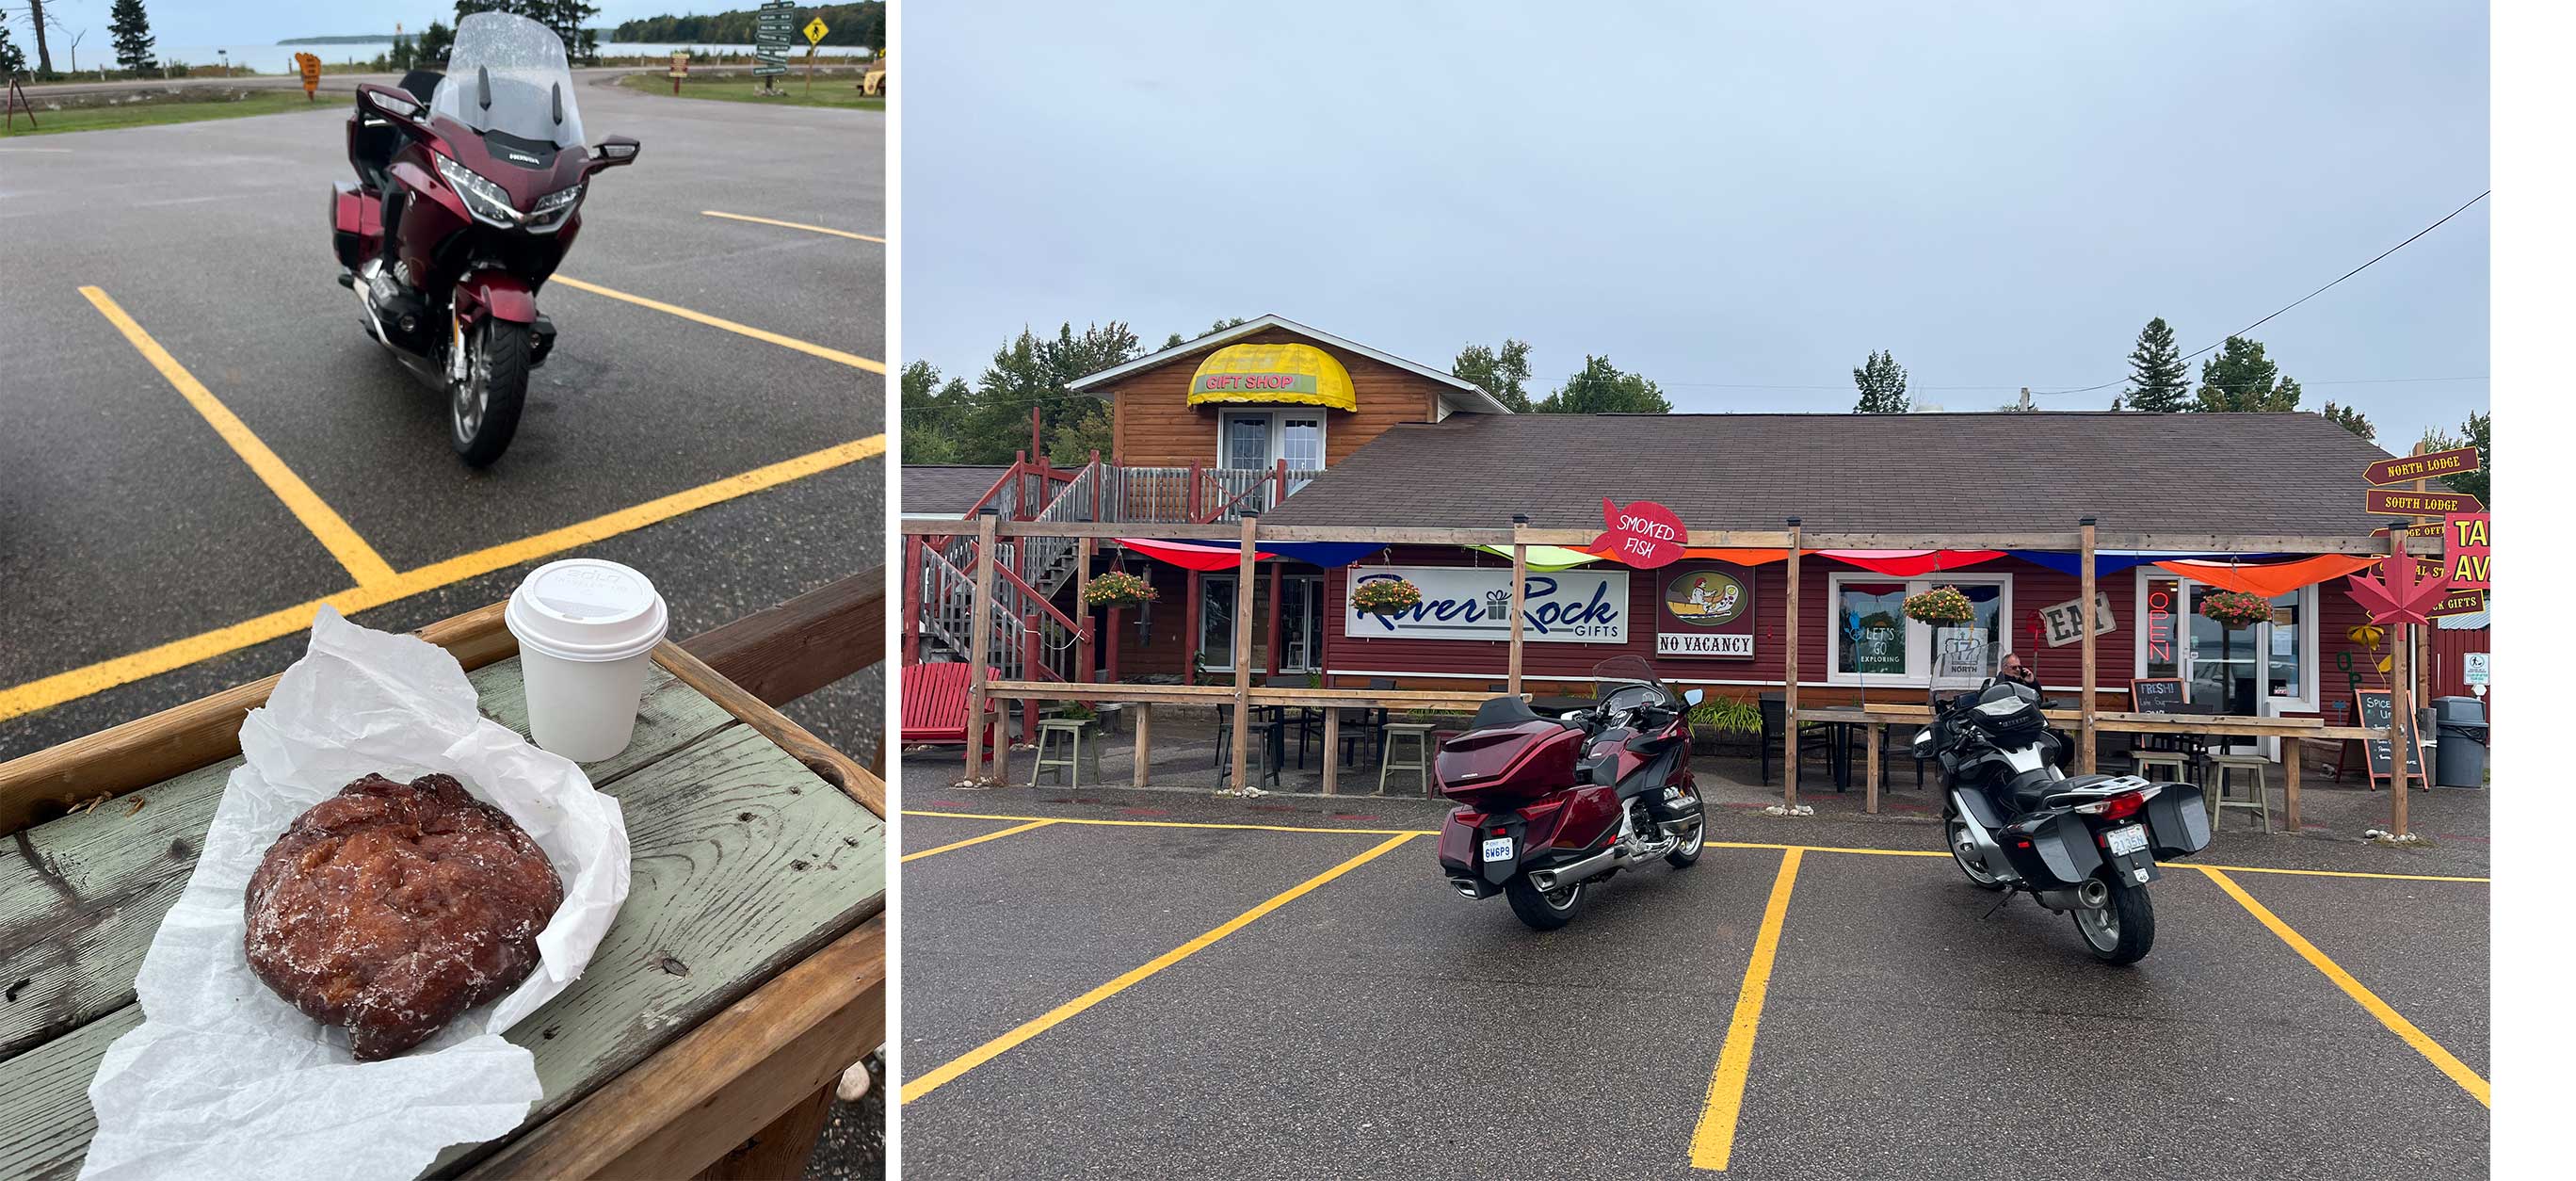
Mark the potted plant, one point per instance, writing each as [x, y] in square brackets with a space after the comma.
[1719, 717]
[1941, 606]
[2234, 609]
[1078, 711]
[1119, 589]
[1385, 596]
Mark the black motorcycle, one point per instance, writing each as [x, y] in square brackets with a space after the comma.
[2086, 846]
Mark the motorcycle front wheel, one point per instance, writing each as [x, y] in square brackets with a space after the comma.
[1543, 911]
[483, 406]
[2122, 932]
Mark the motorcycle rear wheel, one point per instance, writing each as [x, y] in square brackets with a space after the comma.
[1956, 833]
[1687, 852]
[1542, 911]
[483, 409]
[2122, 932]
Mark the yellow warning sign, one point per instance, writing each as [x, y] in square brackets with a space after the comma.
[815, 31]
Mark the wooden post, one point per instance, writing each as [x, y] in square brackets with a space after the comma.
[1520, 597]
[1270, 651]
[1109, 643]
[1032, 651]
[979, 649]
[1243, 651]
[1144, 739]
[1870, 804]
[912, 603]
[1789, 672]
[1190, 628]
[2402, 708]
[2292, 748]
[1332, 748]
[2422, 637]
[1082, 648]
[2090, 740]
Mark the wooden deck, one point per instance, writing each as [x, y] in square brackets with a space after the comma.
[750, 872]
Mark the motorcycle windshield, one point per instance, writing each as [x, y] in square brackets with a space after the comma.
[1633, 669]
[508, 74]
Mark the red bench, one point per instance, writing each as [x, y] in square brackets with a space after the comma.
[934, 706]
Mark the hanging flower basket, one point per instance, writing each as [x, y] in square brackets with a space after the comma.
[1941, 606]
[1119, 590]
[1385, 596]
[2236, 608]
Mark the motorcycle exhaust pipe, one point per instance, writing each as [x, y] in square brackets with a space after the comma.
[2094, 894]
[1577, 873]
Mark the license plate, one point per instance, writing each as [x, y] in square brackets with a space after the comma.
[2127, 839]
[1498, 849]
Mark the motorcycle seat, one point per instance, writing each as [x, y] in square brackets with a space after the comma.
[2030, 797]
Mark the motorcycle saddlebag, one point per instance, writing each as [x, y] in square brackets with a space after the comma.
[2177, 822]
[355, 233]
[2051, 852]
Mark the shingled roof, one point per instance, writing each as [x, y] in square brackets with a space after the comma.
[2240, 474]
[949, 489]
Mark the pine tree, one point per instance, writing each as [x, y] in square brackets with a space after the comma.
[13, 60]
[1882, 385]
[2475, 483]
[1600, 388]
[2351, 419]
[2240, 378]
[1503, 372]
[131, 32]
[2158, 382]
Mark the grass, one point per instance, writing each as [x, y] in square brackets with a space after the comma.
[146, 114]
[829, 90]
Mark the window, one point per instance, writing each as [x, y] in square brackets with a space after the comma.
[2266, 670]
[1874, 643]
[1301, 621]
[1251, 439]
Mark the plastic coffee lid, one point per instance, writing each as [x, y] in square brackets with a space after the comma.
[587, 609]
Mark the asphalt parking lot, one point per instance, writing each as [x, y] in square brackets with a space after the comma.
[725, 435]
[1157, 983]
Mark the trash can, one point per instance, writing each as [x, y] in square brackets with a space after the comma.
[2460, 755]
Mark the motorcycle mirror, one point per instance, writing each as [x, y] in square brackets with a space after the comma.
[616, 149]
[1694, 696]
[389, 102]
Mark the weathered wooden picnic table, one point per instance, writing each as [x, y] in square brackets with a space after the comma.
[745, 971]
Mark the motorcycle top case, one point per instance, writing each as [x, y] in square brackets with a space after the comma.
[2177, 822]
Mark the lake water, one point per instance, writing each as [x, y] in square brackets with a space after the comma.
[279, 59]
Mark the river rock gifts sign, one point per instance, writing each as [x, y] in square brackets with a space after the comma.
[1705, 610]
[1475, 603]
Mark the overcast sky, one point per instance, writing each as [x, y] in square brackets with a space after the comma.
[1718, 196]
[264, 22]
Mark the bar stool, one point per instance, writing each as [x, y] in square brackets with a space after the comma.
[1419, 763]
[2222, 774]
[1070, 750]
[1268, 726]
[2159, 758]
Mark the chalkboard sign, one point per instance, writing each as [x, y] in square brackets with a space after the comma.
[2160, 695]
[2377, 707]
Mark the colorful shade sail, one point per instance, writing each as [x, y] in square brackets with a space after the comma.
[1906, 563]
[1272, 373]
[1225, 555]
[1546, 559]
[2271, 579]
[2112, 561]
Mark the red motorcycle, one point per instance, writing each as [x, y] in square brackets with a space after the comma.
[480, 173]
[1549, 807]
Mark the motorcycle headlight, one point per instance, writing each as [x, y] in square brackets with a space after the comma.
[553, 209]
[485, 200]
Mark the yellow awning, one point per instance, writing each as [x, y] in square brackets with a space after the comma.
[1299, 373]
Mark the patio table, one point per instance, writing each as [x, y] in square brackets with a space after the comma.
[745, 970]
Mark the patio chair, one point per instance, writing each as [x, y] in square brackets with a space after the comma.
[1812, 736]
[934, 707]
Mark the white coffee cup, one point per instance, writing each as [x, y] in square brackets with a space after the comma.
[586, 632]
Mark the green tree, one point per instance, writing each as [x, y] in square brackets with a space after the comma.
[1599, 388]
[565, 17]
[2475, 483]
[1176, 340]
[2350, 418]
[1502, 372]
[2240, 378]
[13, 60]
[435, 42]
[1882, 385]
[2158, 381]
[131, 32]
[931, 412]
[990, 422]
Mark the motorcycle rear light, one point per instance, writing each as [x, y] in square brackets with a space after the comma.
[2119, 807]
[1498, 832]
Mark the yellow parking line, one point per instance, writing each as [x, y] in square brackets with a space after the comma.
[793, 225]
[1061, 1013]
[54, 690]
[2405, 1030]
[1429, 832]
[1714, 1140]
[990, 836]
[789, 342]
[335, 534]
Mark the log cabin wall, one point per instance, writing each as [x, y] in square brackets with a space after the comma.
[1154, 425]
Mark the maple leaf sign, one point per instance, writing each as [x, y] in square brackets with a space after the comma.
[2398, 595]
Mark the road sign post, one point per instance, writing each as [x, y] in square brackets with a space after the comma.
[311, 67]
[679, 68]
[776, 23]
[815, 30]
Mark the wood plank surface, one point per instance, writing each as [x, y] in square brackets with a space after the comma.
[744, 862]
[81, 896]
[781, 653]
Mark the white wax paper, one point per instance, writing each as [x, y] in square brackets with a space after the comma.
[225, 1079]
